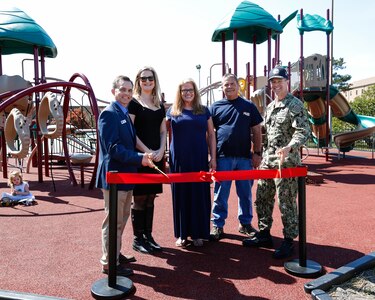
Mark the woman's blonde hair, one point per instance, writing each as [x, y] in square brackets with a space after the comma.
[156, 92]
[178, 104]
[14, 174]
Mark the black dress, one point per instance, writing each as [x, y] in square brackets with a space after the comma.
[147, 126]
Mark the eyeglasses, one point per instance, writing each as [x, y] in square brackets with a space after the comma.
[149, 78]
[187, 91]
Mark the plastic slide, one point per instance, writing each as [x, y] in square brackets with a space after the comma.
[342, 110]
[345, 141]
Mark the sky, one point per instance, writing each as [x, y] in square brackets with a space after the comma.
[103, 39]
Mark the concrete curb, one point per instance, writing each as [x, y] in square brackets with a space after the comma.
[318, 286]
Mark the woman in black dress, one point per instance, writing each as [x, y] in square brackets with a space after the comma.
[148, 115]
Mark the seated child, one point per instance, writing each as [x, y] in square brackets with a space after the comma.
[19, 191]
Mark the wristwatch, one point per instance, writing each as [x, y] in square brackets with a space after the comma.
[258, 153]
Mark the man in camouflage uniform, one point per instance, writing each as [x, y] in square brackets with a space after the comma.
[287, 129]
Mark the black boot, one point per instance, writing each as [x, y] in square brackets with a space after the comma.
[285, 250]
[139, 242]
[148, 236]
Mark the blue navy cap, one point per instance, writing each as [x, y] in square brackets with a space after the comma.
[278, 72]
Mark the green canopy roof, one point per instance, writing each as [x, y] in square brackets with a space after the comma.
[313, 23]
[249, 19]
[19, 34]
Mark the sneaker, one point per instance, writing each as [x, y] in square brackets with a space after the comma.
[124, 259]
[247, 229]
[285, 250]
[120, 271]
[216, 233]
[260, 239]
[181, 243]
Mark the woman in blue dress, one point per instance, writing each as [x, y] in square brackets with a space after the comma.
[193, 142]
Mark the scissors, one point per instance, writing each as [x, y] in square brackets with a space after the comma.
[157, 169]
[279, 162]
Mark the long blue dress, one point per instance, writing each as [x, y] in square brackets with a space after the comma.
[189, 153]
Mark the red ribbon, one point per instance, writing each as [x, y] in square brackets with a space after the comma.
[134, 178]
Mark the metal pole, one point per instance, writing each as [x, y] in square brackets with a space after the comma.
[255, 62]
[112, 241]
[199, 75]
[235, 51]
[302, 220]
[113, 287]
[327, 94]
[301, 63]
[224, 70]
[302, 267]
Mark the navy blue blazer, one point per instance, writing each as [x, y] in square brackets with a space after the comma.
[117, 142]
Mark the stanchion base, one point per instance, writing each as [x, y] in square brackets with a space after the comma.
[311, 270]
[101, 290]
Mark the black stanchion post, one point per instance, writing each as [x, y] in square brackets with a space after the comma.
[302, 267]
[112, 259]
[302, 220]
[113, 287]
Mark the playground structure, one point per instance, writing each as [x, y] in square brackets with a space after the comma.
[156, 276]
[315, 96]
[309, 77]
[26, 122]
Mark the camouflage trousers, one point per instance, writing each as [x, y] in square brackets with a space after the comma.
[286, 190]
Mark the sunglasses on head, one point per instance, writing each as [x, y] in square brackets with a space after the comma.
[149, 78]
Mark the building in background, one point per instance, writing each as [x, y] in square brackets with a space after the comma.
[357, 88]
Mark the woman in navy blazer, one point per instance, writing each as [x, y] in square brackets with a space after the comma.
[117, 141]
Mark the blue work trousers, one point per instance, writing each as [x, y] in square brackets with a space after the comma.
[222, 190]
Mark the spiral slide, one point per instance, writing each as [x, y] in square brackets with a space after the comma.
[345, 141]
[342, 110]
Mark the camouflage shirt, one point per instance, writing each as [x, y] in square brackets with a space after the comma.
[286, 124]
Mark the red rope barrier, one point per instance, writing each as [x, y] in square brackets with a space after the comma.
[134, 178]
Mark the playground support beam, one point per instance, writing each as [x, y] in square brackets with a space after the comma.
[277, 44]
[301, 63]
[327, 91]
[248, 80]
[38, 133]
[223, 52]
[269, 50]
[235, 52]
[254, 62]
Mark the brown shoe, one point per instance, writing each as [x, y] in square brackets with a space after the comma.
[124, 259]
